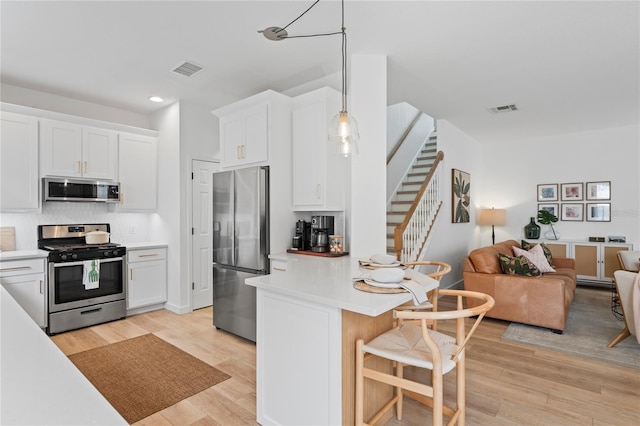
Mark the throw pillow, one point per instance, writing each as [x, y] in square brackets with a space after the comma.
[518, 266]
[536, 256]
[547, 251]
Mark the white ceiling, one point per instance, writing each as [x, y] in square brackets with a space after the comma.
[568, 65]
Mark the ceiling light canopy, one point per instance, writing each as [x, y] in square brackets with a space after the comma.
[156, 99]
[343, 128]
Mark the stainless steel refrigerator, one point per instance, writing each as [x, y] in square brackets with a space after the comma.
[240, 246]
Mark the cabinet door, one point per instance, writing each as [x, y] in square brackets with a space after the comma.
[231, 140]
[587, 256]
[30, 293]
[19, 183]
[308, 129]
[244, 136]
[256, 134]
[147, 283]
[60, 149]
[138, 172]
[610, 262]
[99, 153]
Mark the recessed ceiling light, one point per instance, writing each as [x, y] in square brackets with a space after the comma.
[155, 99]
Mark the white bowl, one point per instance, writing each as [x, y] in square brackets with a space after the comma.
[387, 275]
[383, 259]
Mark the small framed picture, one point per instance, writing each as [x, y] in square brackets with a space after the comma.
[551, 208]
[571, 191]
[599, 212]
[598, 190]
[548, 192]
[572, 212]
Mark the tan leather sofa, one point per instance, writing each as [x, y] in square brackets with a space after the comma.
[543, 301]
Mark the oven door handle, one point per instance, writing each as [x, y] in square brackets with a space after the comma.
[81, 262]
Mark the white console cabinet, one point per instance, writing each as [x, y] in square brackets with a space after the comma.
[319, 173]
[19, 183]
[71, 150]
[595, 261]
[146, 277]
[25, 280]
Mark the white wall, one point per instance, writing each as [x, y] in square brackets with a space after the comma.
[368, 168]
[166, 227]
[511, 175]
[50, 102]
[452, 241]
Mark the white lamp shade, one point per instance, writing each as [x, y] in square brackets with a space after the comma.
[497, 217]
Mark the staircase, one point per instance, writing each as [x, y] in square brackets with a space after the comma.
[408, 190]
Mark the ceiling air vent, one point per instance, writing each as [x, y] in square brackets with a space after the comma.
[187, 69]
[503, 108]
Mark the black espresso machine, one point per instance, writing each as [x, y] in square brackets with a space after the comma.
[321, 229]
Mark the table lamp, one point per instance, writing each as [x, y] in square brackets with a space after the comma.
[493, 217]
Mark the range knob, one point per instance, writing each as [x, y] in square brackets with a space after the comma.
[74, 256]
[63, 257]
[107, 253]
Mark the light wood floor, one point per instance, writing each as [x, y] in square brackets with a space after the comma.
[507, 383]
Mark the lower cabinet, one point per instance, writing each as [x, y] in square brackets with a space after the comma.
[146, 277]
[25, 281]
[597, 261]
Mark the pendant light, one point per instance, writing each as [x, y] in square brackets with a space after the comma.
[343, 128]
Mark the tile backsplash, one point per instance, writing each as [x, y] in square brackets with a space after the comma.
[125, 227]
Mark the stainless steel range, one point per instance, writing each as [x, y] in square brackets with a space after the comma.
[86, 281]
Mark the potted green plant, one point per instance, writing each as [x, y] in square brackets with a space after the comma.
[547, 218]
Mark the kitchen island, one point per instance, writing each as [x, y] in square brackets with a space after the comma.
[309, 316]
[40, 386]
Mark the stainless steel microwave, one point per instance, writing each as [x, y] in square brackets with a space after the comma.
[63, 189]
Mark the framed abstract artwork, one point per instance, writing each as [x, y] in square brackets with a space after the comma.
[571, 191]
[572, 212]
[599, 212]
[598, 191]
[460, 196]
[548, 192]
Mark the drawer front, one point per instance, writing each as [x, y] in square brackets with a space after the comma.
[10, 268]
[146, 254]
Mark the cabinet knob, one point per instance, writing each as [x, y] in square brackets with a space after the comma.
[79, 167]
[85, 166]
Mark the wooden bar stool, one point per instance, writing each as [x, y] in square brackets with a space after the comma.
[413, 342]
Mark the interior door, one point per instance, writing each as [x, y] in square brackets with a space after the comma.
[202, 238]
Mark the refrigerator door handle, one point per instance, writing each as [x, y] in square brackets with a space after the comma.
[234, 232]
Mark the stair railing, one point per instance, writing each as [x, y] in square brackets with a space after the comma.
[411, 235]
[403, 137]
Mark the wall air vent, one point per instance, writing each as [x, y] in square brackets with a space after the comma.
[187, 69]
[503, 108]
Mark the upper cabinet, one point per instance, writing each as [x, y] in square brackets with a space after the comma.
[71, 150]
[19, 183]
[319, 172]
[247, 129]
[138, 172]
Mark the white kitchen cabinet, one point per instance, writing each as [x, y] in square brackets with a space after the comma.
[319, 173]
[597, 261]
[138, 172]
[25, 280]
[19, 182]
[248, 127]
[146, 276]
[72, 150]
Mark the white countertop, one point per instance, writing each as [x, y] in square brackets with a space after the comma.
[144, 245]
[329, 281]
[40, 386]
[23, 254]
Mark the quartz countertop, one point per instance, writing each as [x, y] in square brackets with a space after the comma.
[329, 281]
[23, 254]
[40, 385]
